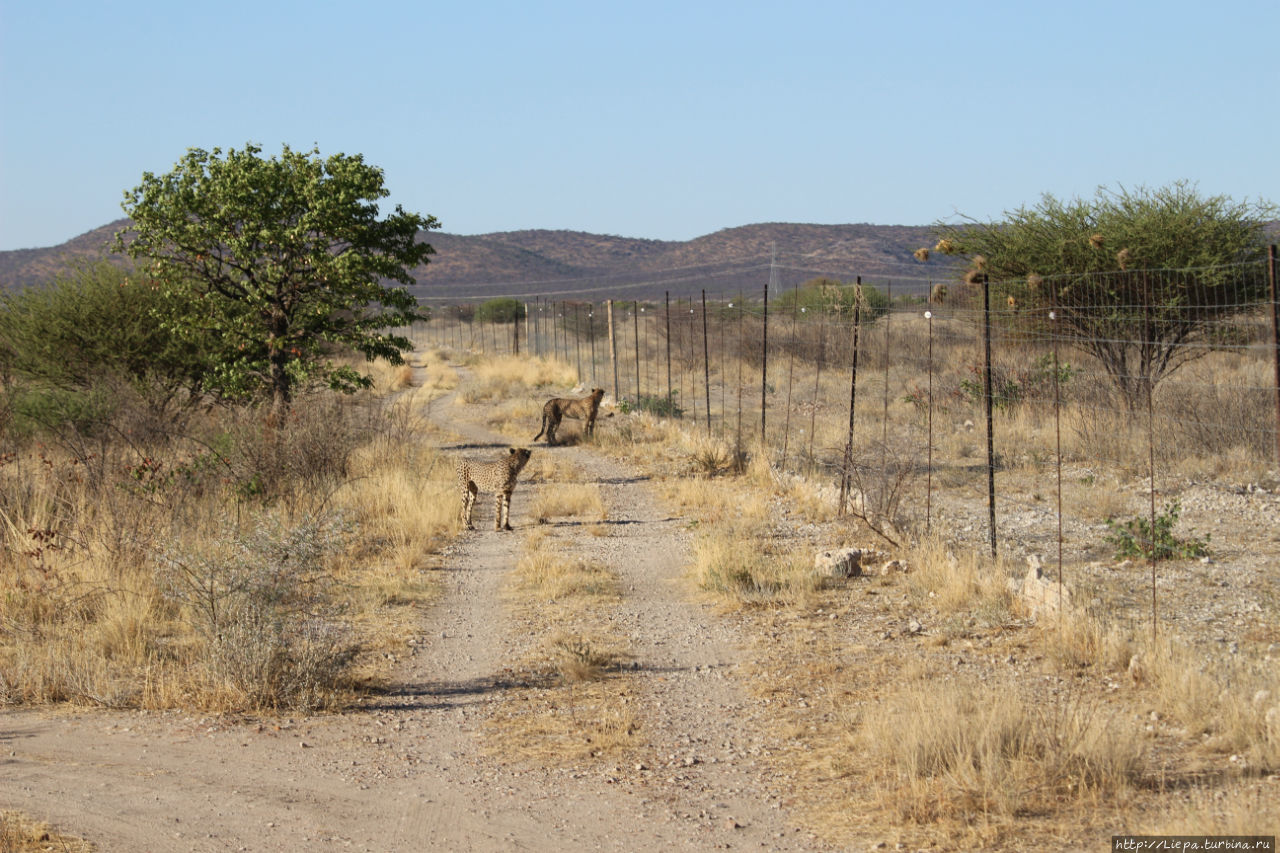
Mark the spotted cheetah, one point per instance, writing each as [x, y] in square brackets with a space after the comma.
[497, 476]
[556, 408]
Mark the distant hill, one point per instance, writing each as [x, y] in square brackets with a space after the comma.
[23, 267]
[576, 265]
[579, 265]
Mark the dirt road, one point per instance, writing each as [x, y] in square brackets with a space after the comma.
[409, 770]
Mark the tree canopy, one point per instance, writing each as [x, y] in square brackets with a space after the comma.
[283, 259]
[1132, 277]
[66, 346]
[503, 309]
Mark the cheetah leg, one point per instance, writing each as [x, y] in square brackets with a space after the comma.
[469, 504]
[502, 512]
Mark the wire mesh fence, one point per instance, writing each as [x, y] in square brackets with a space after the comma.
[915, 403]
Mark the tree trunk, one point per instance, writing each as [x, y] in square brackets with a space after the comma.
[281, 383]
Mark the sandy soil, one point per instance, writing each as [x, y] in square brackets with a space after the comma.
[409, 770]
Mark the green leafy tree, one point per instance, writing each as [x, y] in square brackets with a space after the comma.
[1135, 277]
[284, 259]
[67, 346]
[504, 309]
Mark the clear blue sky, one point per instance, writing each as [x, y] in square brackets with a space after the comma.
[658, 119]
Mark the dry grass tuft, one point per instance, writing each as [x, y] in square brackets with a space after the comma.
[578, 658]
[578, 722]
[968, 584]
[403, 378]
[1233, 705]
[711, 501]
[544, 575]
[1084, 643]
[952, 751]
[1236, 809]
[568, 500]
[731, 564]
[21, 834]
[502, 376]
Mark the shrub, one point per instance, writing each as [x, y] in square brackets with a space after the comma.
[1010, 387]
[254, 604]
[93, 327]
[660, 405]
[1137, 537]
[826, 295]
[504, 309]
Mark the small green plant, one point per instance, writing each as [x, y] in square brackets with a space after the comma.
[917, 397]
[1042, 372]
[1137, 537]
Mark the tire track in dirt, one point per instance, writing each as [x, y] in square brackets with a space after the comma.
[408, 771]
[706, 779]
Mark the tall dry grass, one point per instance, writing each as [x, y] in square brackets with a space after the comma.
[503, 376]
[1238, 808]
[738, 568]
[975, 753]
[1233, 705]
[239, 566]
[964, 582]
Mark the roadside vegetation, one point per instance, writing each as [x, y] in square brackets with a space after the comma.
[190, 517]
[226, 565]
[926, 697]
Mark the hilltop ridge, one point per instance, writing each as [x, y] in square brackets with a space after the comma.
[559, 264]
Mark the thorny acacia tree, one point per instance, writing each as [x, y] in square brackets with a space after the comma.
[286, 258]
[1136, 278]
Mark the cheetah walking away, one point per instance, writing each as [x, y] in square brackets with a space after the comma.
[498, 476]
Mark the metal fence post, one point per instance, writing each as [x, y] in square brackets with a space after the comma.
[764, 368]
[706, 359]
[988, 403]
[670, 406]
[613, 349]
[846, 480]
[1275, 336]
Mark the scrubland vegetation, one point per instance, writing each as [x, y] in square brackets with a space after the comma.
[163, 550]
[167, 552]
[985, 725]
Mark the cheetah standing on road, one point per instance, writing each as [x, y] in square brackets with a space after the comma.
[498, 476]
[556, 408]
